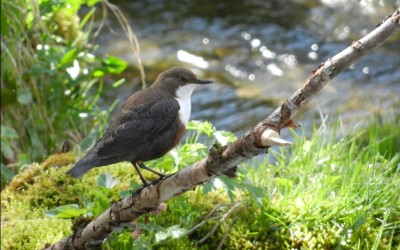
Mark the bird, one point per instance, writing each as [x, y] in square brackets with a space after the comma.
[150, 123]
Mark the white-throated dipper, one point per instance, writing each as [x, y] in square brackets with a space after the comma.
[149, 124]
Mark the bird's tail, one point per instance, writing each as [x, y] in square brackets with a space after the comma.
[89, 161]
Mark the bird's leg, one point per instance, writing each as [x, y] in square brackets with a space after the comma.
[141, 164]
[135, 165]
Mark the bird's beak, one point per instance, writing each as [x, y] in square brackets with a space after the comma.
[203, 81]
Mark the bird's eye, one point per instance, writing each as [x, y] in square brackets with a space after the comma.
[184, 79]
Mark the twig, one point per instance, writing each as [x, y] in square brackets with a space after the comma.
[200, 224]
[221, 244]
[223, 218]
[133, 41]
[213, 210]
[206, 218]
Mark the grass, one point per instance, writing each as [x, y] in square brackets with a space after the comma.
[322, 193]
[343, 191]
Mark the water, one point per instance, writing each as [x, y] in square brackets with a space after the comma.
[258, 53]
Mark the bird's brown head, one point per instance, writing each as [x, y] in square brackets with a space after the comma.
[178, 78]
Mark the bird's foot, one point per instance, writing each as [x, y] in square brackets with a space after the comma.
[145, 182]
[141, 165]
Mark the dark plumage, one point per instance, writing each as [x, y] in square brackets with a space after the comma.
[147, 126]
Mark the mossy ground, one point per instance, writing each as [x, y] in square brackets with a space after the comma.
[320, 194]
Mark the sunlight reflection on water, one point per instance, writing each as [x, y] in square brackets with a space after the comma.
[266, 49]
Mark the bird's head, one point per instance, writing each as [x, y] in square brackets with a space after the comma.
[178, 81]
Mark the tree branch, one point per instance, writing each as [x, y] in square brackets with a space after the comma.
[223, 160]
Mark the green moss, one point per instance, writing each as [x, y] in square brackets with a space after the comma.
[26, 177]
[32, 233]
[42, 187]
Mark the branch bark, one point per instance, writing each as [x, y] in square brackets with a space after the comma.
[223, 160]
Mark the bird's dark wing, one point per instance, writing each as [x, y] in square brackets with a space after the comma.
[132, 127]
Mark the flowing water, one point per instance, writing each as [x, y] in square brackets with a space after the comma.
[258, 53]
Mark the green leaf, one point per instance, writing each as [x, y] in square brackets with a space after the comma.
[256, 192]
[100, 203]
[229, 186]
[208, 187]
[133, 186]
[9, 133]
[29, 19]
[88, 143]
[176, 231]
[361, 220]
[66, 211]
[191, 150]
[114, 65]
[86, 18]
[90, 3]
[99, 72]
[283, 182]
[6, 149]
[107, 180]
[7, 96]
[5, 23]
[6, 173]
[160, 236]
[68, 58]
[24, 98]
[224, 137]
[201, 127]
[118, 83]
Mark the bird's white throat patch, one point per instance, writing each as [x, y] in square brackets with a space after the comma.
[183, 94]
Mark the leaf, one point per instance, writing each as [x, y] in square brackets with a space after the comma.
[90, 3]
[256, 192]
[74, 70]
[6, 173]
[68, 58]
[124, 193]
[24, 98]
[107, 180]
[176, 231]
[229, 186]
[361, 220]
[140, 244]
[9, 133]
[6, 149]
[118, 83]
[224, 137]
[66, 211]
[160, 236]
[201, 127]
[99, 72]
[188, 151]
[5, 24]
[335, 178]
[208, 187]
[88, 143]
[100, 203]
[114, 65]
[283, 182]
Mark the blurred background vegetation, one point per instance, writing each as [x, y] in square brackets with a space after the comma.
[51, 80]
